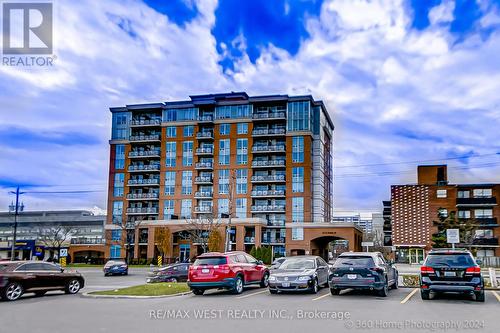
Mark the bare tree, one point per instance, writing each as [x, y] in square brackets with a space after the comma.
[199, 229]
[54, 237]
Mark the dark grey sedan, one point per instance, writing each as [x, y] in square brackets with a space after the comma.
[300, 273]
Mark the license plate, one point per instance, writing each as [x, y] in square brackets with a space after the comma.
[205, 270]
[450, 274]
[285, 284]
[351, 276]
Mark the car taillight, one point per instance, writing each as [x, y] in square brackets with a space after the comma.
[426, 270]
[222, 268]
[377, 269]
[476, 270]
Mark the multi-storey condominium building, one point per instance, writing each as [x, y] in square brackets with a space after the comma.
[177, 161]
[416, 210]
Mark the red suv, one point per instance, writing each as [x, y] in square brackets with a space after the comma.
[230, 270]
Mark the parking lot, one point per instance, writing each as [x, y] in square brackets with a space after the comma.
[255, 308]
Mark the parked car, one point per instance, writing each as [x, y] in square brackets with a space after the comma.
[19, 277]
[277, 262]
[363, 270]
[171, 273]
[301, 273]
[451, 271]
[115, 267]
[230, 270]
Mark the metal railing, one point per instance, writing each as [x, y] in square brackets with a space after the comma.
[273, 148]
[146, 167]
[269, 115]
[203, 179]
[152, 137]
[149, 181]
[269, 163]
[143, 196]
[271, 131]
[204, 150]
[203, 194]
[203, 209]
[142, 210]
[266, 208]
[206, 118]
[204, 165]
[268, 178]
[268, 193]
[144, 153]
[134, 122]
[203, 135]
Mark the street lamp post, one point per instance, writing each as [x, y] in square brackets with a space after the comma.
[18, 207]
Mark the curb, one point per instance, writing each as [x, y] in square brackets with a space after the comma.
[89, 295]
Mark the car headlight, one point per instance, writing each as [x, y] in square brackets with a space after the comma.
[304, 278]
[272, 278]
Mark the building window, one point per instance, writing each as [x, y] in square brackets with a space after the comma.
[183, 114]
[242, 151]
[120, 126]
[223, 207]
[169, 183]
[299, 116]
[442, 212]
[241, 181]
[116, 235]
[483, 213]
[186, 205]
[464, 214]
[168, 209]
[233, 111]
[188, 131]
[187, 153]
[297, 233]
[119, 184]
[482, 193]
[187, 182]
[117, 212]
[170, 155]
[224, 181]
[441, 193]
[171, 132]
[115, 251]
[241, 207]
[298, 149]
[119, 157]
[242, 128]
[224, 129]
[463, 194]
[298, 179]
[297, 209]
[224, 152]
[488, 233]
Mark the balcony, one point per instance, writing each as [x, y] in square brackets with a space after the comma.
[269, 116]
[145, 122]
[203, 209]
[143, 168]
[203, 195]
[142, 210]
[464, 202]
[144, 182]
[276, 223]
[203, 180]
[485, 241]
[204, 166]
[269, 149]
[145, 138]
[144, 154]
[205, 135]
[249, 240]
[206, 119]
[271, 240]
[87, 241]
[142, 196]
[269, 132]
[268, 208]
[269, 164]
[268, 179]
[268, 193]
[204, 151]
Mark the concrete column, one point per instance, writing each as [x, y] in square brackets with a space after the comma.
[136, 243]
[258, 235]
[240, 238]
[151, 243]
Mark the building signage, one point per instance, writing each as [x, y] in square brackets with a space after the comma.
[367, 244]
[63, 252]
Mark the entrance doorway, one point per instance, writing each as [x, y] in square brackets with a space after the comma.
[416, 256]
[184, 252]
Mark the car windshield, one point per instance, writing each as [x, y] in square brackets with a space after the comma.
[363, 261]
[297, 264]
[113, 262]
[210, 261]
[450, 260]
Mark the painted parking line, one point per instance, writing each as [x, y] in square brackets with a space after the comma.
[253, 294]
[496, 295]
[410, 295]
[322, 296]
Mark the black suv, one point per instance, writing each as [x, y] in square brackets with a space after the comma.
[450, 270]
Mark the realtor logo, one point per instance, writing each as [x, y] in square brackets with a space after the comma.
[27, 28]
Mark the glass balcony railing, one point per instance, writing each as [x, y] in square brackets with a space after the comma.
[271, 131]
[268, 208]
[149, 181]
[269, 163]
[203, 180]
[145, 122]
[273, 240]
[203, 194]
[269, 115]
[268, 193]
[249, 239]
[142, 210]
[269, 178]
[203, 209]
[204, 151]
[145, 153]
[206, 118]
[205, 135]
[152, 137]
[276, 223]
[269, 149]
[133, 196]
[204, 165]
[144, 167]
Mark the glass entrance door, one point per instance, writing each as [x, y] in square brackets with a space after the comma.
[416, 256]
[184, 252]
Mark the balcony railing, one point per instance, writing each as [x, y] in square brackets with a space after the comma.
[205, 135]
[268, 193]
[491, 201]
[276, 223]
[271, 131]
[204, 151]
[203, 194]
[268, 149]
[137, 182]
[153, 137]
[145, 122]
[268, 208]
[147, 167]
[273, 240]
[203, 209]
[203, 180]
[137, 196]
[249, 240]
[146, 153]
[270, 163]
[142, 210]
[204, 165]
[268, 178]
[87, 241]
[485, 241]
[269, 115]
[207, 118]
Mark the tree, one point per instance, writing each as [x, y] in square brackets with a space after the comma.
[466, 229]
[199, 229]
[215, 241]
[163, 240]
[252, 251]
[54, 237]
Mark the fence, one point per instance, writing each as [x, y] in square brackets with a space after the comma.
[490, 261]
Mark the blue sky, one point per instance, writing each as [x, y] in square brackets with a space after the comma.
[404, 81]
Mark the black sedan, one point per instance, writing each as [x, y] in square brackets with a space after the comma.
[171, 273]
[115, 267]
[301, 273]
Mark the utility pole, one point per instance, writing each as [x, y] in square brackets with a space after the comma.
[16, 209]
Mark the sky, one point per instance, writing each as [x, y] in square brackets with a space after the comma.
[405, 82]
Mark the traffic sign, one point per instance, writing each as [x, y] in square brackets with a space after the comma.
[453, 236]
[63, 252]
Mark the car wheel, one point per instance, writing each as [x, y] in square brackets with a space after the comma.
[13, 291]
[106, 274]
[173, 279]
[395, 285]
[384, 291]
[334, 291]
[198, 291]
[315, 287]
[479, 296]
[238, 285]
[40, 293]
[425, 295]
[265, 280]
[273, 291]
[73, 286]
